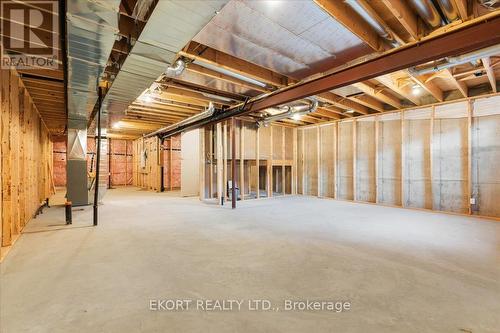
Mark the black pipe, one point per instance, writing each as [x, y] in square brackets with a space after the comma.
[98, 157]
[219, 115]
[63, 28]
[69, 218]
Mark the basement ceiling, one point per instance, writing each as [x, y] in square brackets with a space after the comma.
[293, 38]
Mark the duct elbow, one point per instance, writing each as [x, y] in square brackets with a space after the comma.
[176, 69]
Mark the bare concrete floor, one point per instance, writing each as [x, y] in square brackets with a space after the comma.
[401, 270]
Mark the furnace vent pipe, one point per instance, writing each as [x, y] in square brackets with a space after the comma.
[448, 10]
[427, 11]
[379, 28]
[197, 117]
[176, 69]
[310, 106]
[462, 59]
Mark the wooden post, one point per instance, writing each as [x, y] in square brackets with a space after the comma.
[171, 165]
[6, 161]
[376, 156]
[257, 156]
[242, 160]
[335, 149]
[294, 166]
[283, 153]
[202, 163]
[211, 168]
[110, 151]
[431, 155]
[354, 161]
[318, 159]
[403, 150]
[126, 162]
[304, 187]
[220, 168]
[469, 154]
[224, 158]
[270, 165]
[233, 163]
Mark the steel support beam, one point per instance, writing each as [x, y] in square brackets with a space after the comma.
[467, 39]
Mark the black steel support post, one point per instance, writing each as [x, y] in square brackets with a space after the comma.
[233, 163]
[69, 219]
[162, 167]
[98, 157]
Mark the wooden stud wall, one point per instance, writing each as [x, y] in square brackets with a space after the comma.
[428, 158]
[26, 159]
[147, 171]
[265, 158]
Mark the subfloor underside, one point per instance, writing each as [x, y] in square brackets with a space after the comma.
[400, 270]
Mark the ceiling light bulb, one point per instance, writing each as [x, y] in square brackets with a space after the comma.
[296, 116]
[349, 111]
[116, 125]
[147, 99]
[416, 90]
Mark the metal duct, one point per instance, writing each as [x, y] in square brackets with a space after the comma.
[92, 27]
[200, 116]
[454, 61]
[490, 4]
[170, 27]
[427, 11]
[448, 9]
[376, 25]
[176, 69]
[289, 110]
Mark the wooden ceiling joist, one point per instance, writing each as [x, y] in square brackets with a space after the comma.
[368, 101]
[327, 113]
[343, 103]
[345, 15]
[206, 54]
[461, 6]
[405, 16]
[461, 86]
[400, 89]
[380, 94]
[491, 74]
[429, 86]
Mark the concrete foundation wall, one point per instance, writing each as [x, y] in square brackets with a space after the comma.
[449, 158]
[327, 160]
[417, 159]
[440, 158]
[389, 160]
[365, 160]
[345, 161]
[300, 162]
[485, 173]
[311, 161]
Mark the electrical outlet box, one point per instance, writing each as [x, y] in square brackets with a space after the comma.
[472, 201]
